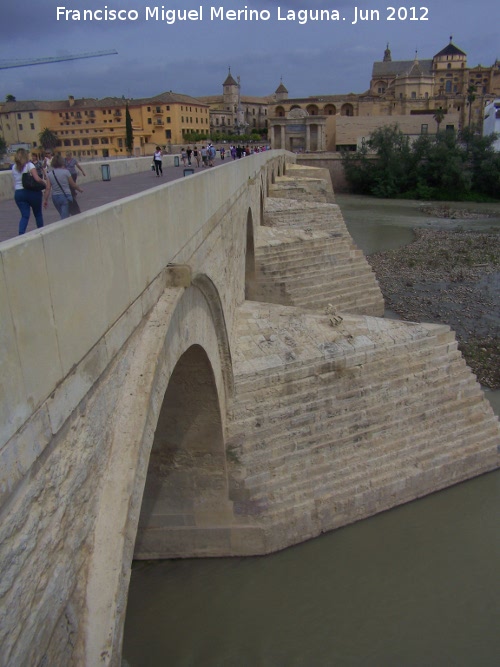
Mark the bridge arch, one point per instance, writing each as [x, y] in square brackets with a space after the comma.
[180, 353]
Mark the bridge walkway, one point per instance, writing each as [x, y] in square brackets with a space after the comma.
[95, 193]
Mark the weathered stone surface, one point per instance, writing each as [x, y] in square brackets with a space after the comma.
[310, 412]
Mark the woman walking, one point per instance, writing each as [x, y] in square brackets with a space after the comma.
[62, 186]
[26, 200]
[157, 159]
[72, 164]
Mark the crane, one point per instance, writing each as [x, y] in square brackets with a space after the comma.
[8, 64]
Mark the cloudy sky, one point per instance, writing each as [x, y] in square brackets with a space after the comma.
[192, 57]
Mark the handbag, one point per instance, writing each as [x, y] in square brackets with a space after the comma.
[29, 183]
[73, 207]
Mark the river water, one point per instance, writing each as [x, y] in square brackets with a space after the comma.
[418, 585]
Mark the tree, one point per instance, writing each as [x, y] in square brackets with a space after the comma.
[392, 168]
[10, 98]
[471, 90]
[438, 117]
[448, 165]
[3, 146]
[48, 139]
[129, 133]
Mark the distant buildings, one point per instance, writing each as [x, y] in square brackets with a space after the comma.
[96, 128]
[407, 92]
[413, 93]
[232, 113]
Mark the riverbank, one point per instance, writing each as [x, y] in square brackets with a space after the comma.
[450, 277]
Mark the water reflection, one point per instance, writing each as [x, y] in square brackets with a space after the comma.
[382, 224]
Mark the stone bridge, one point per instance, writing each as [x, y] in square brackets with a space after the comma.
[203, 370]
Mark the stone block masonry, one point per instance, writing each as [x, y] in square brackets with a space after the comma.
[338, 415]
[155, 409]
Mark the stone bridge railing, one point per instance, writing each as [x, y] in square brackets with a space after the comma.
[121, 167]
[71, 294]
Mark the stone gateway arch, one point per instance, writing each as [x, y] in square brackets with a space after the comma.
[210, 375]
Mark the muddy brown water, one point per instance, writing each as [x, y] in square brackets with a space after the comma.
[415, 586]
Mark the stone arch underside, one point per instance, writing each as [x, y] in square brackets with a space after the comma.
[186, 487]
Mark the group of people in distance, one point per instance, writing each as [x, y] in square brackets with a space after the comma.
[56, 173]
[204, 156]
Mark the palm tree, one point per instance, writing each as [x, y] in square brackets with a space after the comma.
[471, 90]
[438, 117]
[48, 139]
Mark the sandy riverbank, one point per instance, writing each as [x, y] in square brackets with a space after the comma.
[450, 277]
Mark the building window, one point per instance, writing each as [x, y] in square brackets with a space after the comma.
[31, 115]
[32, 126]
[448, 86]
[149, 121]
[424, 128]
[20, 126]
[413, 95]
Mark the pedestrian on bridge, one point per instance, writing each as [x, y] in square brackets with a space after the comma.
[26, 200]
[157, 161]
[63, 188]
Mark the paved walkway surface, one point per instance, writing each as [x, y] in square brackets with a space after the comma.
[95, 193]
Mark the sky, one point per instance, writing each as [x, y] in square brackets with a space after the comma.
[322, 57]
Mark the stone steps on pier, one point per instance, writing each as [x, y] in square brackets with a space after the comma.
[315, 216]
[314, 269]
[333, 413]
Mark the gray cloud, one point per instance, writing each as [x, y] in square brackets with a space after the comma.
[192, 58]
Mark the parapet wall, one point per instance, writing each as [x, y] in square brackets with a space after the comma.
[93, 172]
[72, 294]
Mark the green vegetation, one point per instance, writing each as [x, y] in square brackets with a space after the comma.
[446, 166]
[48, 139]
[3, 146]
[129, 133]
[218, 137]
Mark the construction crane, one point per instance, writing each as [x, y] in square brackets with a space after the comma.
[8, 64]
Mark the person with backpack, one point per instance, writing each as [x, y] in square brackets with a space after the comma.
[211, 155]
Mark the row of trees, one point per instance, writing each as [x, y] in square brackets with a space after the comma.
[218, 137]
[447, 165]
